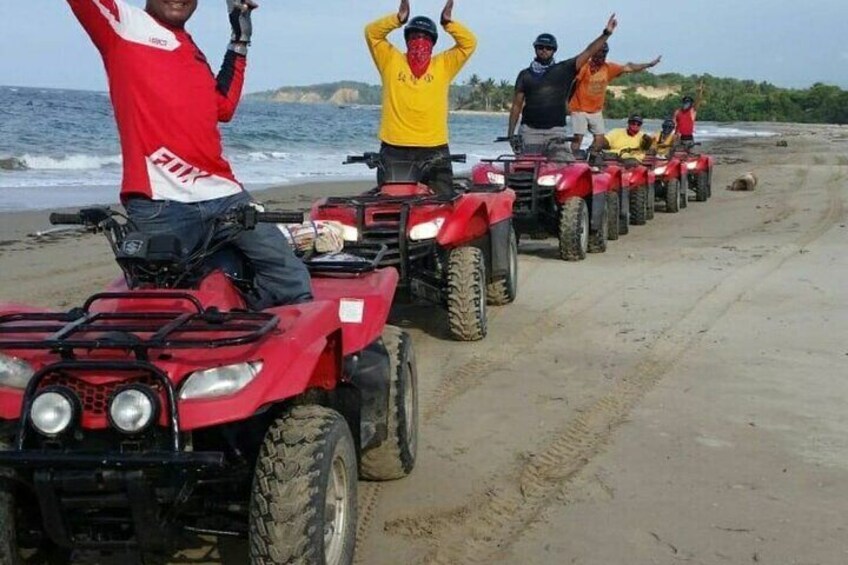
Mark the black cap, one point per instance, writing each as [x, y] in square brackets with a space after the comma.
[635, 118]
[424, 25]
[668, 124]
[546, 40]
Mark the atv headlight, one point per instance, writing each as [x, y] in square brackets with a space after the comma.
[549, 180]
[426, 230]
[350, 233]
[496, 178]
[14, 372]
[692, 165]
[52, 411]
[133, 409]
[660, 170]
[220, 381]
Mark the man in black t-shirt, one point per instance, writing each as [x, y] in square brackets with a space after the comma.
[542, 89]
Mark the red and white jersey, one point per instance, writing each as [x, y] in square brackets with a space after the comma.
[167, 103]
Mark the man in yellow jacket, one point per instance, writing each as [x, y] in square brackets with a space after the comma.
[629, 142]
[414, 124]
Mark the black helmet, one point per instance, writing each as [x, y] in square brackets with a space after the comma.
[635, 118]
[424, 25]
[546, 40]
[668, 126]
[688, 100]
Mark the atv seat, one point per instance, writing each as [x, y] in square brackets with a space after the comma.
[408, 189]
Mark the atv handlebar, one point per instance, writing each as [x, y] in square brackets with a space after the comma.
[374, 160]
[58, 218]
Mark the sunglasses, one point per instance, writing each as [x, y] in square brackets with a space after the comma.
[634, 123]
[544, 48]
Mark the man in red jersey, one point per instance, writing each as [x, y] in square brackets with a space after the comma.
[685, 116]
[167, 105]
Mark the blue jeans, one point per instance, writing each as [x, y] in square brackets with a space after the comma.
[280, 277]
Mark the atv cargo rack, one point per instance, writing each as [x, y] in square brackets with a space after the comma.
[139, 332]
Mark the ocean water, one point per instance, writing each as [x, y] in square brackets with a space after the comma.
[60, 148]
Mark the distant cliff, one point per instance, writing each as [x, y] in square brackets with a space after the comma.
[340, 93]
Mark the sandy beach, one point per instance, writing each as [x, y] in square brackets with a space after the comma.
[680, 398]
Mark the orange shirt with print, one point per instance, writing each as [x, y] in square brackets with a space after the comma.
[590, 89]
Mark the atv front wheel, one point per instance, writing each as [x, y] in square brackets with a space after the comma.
[573, 230]
[598, 237]
[395, 457]
[624, 211]
[710, 182]
[639, 206]
[504, 290]
[613, 213]
[303, 499]
[467, 314]
[685, 185]
[672, 196]
[701, 187]
[10, 552]
[652, 200]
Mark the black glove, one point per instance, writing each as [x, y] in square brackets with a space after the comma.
[515, 143]
[241, 24]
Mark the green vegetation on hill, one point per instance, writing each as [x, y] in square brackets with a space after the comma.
[653, 95]
[725, 99]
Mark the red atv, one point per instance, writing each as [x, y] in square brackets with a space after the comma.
[555, 196]
[699, 170]
[459, 251]
[638, 181]
[164, 408]
[671, 181]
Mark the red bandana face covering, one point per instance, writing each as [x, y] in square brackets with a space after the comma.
[418, 54]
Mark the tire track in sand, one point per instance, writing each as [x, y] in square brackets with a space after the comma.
[491, 521]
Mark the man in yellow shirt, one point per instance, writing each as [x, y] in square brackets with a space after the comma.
[414, 124]
[629, 142]
[664, 140]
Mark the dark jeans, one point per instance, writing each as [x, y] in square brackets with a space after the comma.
[687, 138]
[280, 277]
[439, 178]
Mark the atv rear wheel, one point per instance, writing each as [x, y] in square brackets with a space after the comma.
[598, 238]
[624, 212]
[574, 230]
[639, 206]
[395, 457]
[467, 315]
[685, 185]
[672, 196]
[710, 182]
[613, 215]
[303, 499]
[701, 187]
[652, 200]
[504, 290]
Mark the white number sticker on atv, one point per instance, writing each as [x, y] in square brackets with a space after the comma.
[351, 311]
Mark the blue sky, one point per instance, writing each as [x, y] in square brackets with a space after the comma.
[299, 42]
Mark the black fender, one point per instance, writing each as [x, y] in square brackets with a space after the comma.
[499, 249]
[369, 371]
[597, 204]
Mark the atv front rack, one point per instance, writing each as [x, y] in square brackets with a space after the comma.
[139, 332]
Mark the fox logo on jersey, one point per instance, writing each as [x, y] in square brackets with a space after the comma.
[176, 169]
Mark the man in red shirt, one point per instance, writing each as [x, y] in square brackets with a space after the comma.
[685, 116]
[167, 105]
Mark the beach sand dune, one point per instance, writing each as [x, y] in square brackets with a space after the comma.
[678, 398]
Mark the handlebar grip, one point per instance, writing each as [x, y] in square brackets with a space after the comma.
[58, 218]
[354, 159]
[288, 217]
[459, 158]
[501, 139]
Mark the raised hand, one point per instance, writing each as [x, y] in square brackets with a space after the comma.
[611, 25]
[447, 12]
[240, 21]
[403, 11]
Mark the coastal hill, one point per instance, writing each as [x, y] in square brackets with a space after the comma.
[652, 95]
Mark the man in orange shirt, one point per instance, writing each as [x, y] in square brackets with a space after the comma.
[590, 91]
